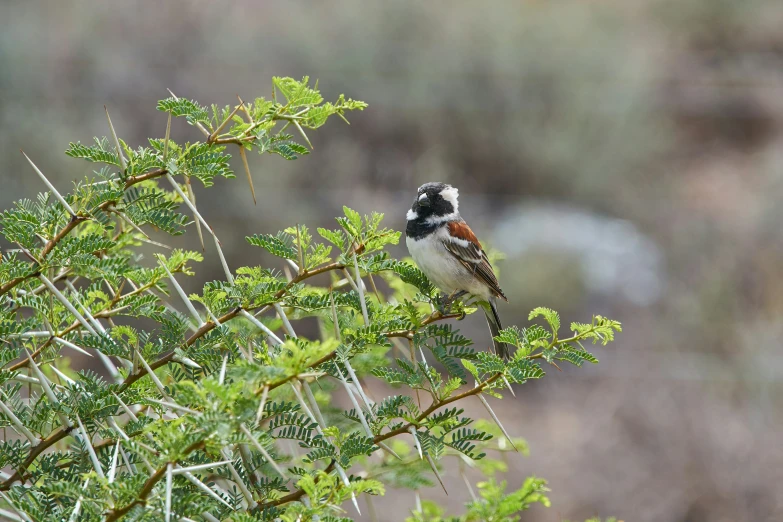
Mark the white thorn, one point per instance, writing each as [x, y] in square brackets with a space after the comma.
[235, 474]
[300, 254]
[229, 276]
[435, 470]
[305, 407]
[62, 375]
[51, 187]
[11, 516]
[93, 457]
[128, 463]
[360, 287]
[263, 451]
[355, 503]
[313, 404]
[18, 425]
[293, 265]
[72, 346]
[335, 320]
[260, 412]
[31, 335]
[358, 385]
[186, 361]
[199, 467]
[189, 204]
[261, 325]
[182, 294]
[412, 431]
[497, 421]
[192, 197]
[78, 504]
[60, 297]
[24, 378]
[203, 487]
[350, 280]
[125, 408]
[44, 382]
[175, 406]
[168, 491]
[152, 375]
[344, 478]
[113, 468]
[289, 329]
[468, 485]
[119, 430]
[94, 322]
[424, 359]
[508, 385]
[166, 143]
[355, 403]
[222, 376]
[116, 140]
[20, 513]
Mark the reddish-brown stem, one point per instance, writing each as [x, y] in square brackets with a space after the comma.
[133, 180]
[34, 452]
[74, 221]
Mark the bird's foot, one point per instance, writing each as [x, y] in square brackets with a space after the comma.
[445, 301]
[442, 304]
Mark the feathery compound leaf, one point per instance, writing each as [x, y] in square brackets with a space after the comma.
[549, 315]
[192, 111]
[511, 335]
[98, 153]
[279, 245]
[411, 275]
[287, 149]
[575, 356]
[601, 329]
[520, 370]
[297, 93]
[204, 161]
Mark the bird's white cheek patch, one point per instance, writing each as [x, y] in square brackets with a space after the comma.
[412, 215]
[451, 195]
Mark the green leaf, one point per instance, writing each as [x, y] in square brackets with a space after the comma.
[601, 329]
[279, 245]
[193, 112]
[297, 93]
[549, 315]
[98, 153]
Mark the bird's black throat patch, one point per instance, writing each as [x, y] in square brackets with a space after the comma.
[417, 228]
[436, 207]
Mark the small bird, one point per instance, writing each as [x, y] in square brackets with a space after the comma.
[449, 254]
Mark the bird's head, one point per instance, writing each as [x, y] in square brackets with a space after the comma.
[434, 200]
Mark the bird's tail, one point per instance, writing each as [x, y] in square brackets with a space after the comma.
[493, 321]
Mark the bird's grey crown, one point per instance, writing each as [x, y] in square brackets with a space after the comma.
[433, 187]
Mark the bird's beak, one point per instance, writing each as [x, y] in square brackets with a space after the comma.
[424, 201]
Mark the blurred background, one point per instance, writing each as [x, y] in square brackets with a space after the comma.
[626, 155]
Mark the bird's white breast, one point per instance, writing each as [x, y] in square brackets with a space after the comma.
[441, 267]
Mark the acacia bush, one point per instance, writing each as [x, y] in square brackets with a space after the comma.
[221, 411]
